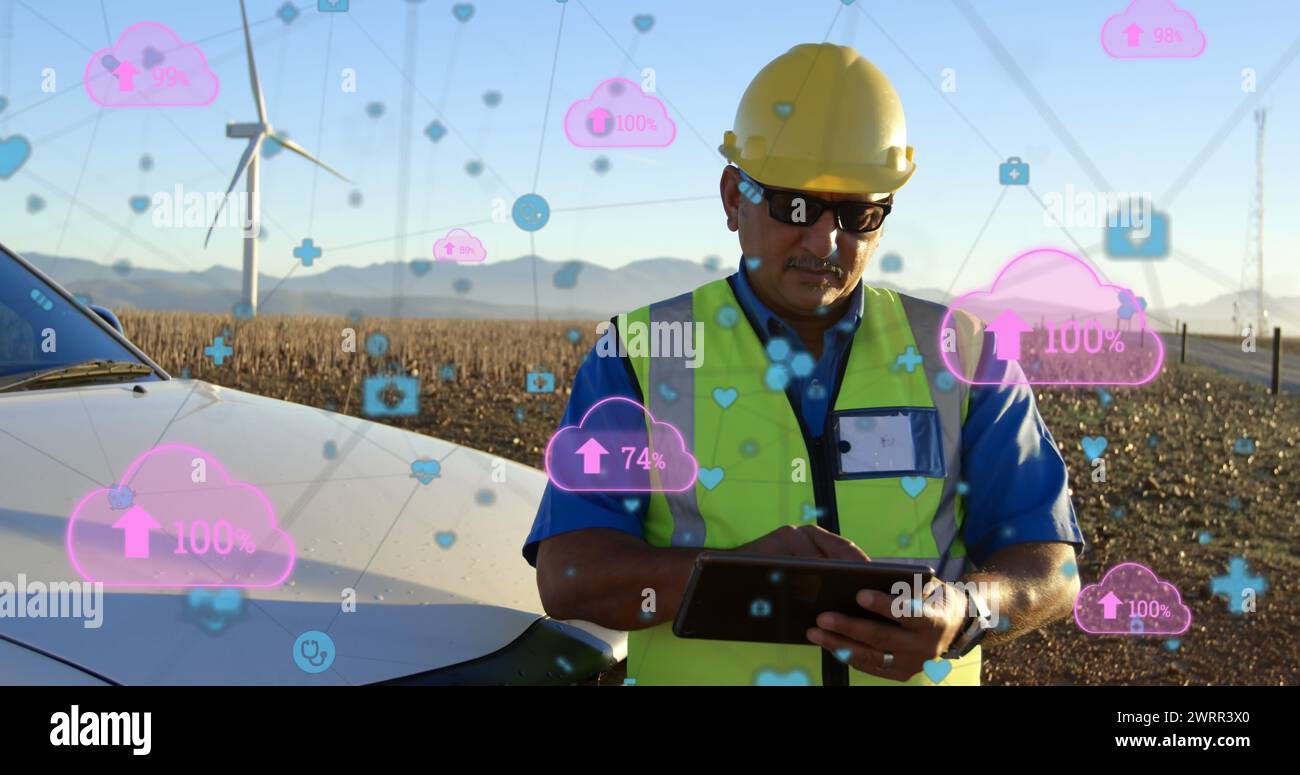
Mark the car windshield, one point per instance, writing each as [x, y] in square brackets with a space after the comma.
[41, 330]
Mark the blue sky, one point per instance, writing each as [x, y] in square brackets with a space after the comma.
[1140, 124]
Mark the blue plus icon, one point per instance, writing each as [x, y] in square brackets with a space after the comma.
[307, 252]
[909, 359]
[218, 350]
[1235, 583]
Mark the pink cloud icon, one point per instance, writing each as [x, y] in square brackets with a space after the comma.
[1152, 28]
[459, 246]
[619, 115]
[1131, 600]
[607, 452]
[188, 524]
[150, 66]
[1050, 312]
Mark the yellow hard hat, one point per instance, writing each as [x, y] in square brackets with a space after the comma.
[820, 117]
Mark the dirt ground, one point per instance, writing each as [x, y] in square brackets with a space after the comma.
[1177, 498]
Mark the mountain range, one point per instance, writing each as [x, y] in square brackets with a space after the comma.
[501, 290]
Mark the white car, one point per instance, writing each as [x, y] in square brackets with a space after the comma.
[433, 565]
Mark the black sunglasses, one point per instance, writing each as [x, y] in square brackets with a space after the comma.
[782, 204]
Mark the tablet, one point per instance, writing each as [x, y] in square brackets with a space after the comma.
[767, 599]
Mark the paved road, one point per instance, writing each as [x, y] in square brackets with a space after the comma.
[1228, 358]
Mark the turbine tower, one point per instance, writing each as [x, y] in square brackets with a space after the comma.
[255, 133]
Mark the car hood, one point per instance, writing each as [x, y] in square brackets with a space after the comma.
[435, 566]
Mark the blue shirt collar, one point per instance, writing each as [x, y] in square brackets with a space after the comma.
[769, 321]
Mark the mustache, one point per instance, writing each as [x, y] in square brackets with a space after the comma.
[812, 262]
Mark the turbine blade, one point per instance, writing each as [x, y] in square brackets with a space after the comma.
[253, 145]
[298, 149]
[252, 67]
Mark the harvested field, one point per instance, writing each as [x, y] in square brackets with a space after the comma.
[1176, 496]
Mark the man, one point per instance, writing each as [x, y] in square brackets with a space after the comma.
[803, 361]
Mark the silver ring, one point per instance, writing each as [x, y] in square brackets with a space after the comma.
[888, 661]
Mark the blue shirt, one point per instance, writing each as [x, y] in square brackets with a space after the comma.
[1017, 485]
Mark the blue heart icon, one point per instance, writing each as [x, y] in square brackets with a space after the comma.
[474, 168]
[631, 504]
[795, 677]
[426, 470]
[492, 98]
[420, 267]
[937, 669]
[600, 165]
[461, 285]
[376, 344]
[1126, 304]
[138, 204]
[891, 263]
[445, 538]
[667, 393]
[1204, 538]
[462, 11]
[1103, 395]
[567, 276]
[1172, 644]
[753, 261]
[573, 335]
[810, 513]
[725, 397]
[14, 152]
[374, 109]
[913, 485]
[727, 316]
[35, 204]
[435, 130]
[1093, 446]
[643, 22]
[843, 655]
[120, 497]
[1244, 446]
[783, 109]
[214, 611]
[710, 477]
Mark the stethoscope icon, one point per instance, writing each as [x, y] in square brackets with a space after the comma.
[312, 659]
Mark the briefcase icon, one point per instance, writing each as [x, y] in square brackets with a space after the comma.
[1121, 242]
[1013, 172]
[391, 394]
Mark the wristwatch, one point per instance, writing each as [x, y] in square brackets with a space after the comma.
[971, 635]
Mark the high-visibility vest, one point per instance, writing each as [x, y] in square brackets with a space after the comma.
[751, 447]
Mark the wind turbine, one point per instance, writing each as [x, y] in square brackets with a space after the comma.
[255, 133]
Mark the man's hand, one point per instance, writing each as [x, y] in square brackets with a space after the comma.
[805, 541]
[923, 634]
